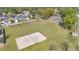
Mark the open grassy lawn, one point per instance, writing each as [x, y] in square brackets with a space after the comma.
[54, 33]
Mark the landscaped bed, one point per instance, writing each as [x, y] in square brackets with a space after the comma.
[55, 34]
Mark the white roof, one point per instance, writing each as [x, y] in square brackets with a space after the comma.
[77, 15]
[29, 40]
[75, 34]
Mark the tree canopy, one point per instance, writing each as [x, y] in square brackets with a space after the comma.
[69, 17]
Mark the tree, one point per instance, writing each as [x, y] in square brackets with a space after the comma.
[0, 20]
[45, 12]
[52, 47]
[65, 45]
[11, 20]
[69, 21]
[67, 11]
[68, 17]
[49, 12]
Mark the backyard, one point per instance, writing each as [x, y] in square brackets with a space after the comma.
[55, 34]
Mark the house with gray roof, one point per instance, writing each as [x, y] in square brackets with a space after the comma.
[55, 18]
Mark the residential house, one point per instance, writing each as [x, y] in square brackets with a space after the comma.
[55, 18]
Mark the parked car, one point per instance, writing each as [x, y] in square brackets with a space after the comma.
[2, 35]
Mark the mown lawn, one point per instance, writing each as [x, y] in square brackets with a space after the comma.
[54, 33]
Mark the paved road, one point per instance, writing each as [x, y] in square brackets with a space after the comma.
[78, 29]
[78, 32]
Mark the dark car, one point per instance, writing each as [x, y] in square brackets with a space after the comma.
[2, 35]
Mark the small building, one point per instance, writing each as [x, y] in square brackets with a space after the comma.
[21, 17]
[26, 13]
[55, 18]
[4, 17]
[75, 34]
[5, 23]
[77, 15]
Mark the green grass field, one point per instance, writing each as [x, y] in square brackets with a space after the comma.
[54, 33]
